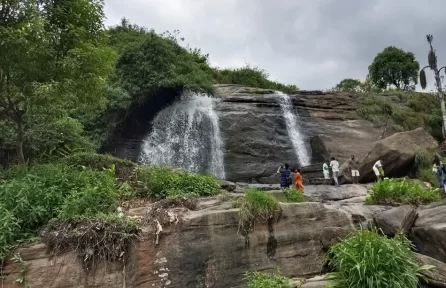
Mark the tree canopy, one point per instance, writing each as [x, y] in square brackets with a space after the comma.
[349, 85]
[394, 66]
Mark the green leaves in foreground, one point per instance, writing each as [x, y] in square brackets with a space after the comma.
[401, 192]
[368, 260]
[267, 280]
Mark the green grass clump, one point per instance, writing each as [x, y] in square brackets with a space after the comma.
[293, 195]
[401, 192]
[366, 259]
[267, 280]
[256, 206]
[160, 182]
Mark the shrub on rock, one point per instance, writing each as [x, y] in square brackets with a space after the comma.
[401, 192]
[293, 195]
[160, 182]
[256, 206]
[267, 280]
[367, 259]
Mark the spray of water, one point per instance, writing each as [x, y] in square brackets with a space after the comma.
[293, 127]
[186, 135]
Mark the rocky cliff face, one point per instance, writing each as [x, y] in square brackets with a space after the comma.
[255, 136]
[205, 249]
[257, 141]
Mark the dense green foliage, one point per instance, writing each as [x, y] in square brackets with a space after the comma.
[31, 197]
[401, 111]
[251, 77]
[55, 63]
[401, 192]
[368, 260]
[256, 206]
[161, 182]
[267, 280]
[394, 66]
[293, 196]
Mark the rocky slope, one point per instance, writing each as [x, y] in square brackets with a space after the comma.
[256, 138]
[205, 249]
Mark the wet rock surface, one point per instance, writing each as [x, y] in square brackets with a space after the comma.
[256, 137]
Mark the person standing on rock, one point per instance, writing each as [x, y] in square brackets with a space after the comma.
[378, 169]
[334, 165]
[325, 170]
[285, 173]
[298, 180]
[353, 166]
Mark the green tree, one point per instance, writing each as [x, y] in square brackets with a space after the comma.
[349, 85]
[432, 61]
[45, 73]
[394, 66]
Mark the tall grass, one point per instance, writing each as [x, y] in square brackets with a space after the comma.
[401, 192]
[293, 195]
[369, 260]
[256, 206]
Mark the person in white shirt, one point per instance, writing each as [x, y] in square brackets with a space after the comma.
[378, 169]
[325, 170]
[334, 165]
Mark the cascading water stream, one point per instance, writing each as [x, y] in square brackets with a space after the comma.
[186, 135]
[294, 130]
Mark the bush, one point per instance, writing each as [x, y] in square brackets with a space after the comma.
[423, 160]
[267, 280]
[256, 206]
[251, 77]
[366, 259]
[30, 198]
[98, 195]
[401, 192]
[426, 175]
[292, 195]
[124, 168]
[9, 228]
[160, 182]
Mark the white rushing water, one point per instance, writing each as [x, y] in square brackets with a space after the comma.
[186, 135]
[294, 130]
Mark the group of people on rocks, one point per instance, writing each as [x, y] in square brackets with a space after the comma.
[290, 177]
[293, 177]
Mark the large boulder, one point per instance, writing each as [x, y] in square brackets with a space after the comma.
[397, 153]
[397, 219]
[429, 231]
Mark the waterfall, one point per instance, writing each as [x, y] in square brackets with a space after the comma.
[293, 127]
[186, 135]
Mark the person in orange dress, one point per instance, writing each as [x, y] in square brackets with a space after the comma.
[298, 180]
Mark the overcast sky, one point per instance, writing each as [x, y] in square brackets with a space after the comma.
[312, 44]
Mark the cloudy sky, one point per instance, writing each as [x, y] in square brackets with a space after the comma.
[312, 44]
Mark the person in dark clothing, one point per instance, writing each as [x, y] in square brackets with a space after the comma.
[285, 176]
